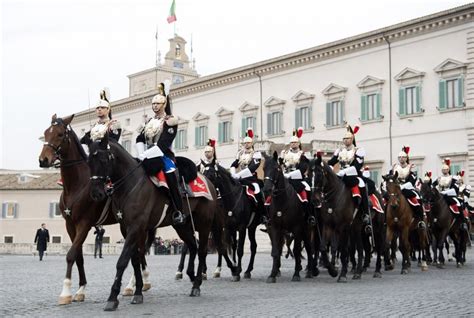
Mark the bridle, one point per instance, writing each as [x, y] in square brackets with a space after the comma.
[57, 148]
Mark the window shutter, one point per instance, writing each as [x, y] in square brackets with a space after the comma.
[196, 136]
[461, 91]
[15, 211]
[342, 113]
[244, 129]
[418, 99]
[297, 117]
[401, 101]
[4, 210]
[206, 137]
[254, 123]
[229, 136]
[363, 107]
[280, 119]
[442, 94]
[310, 116]
[269, 124]
[220, 132]
[379, 105]
[185, 138]
[328, 114]
[51, 210]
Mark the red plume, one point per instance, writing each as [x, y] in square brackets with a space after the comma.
[429, 174]
[355, 130]
[299, 133]
[447, 161]
[406, 149]
[250, 132]
[461, 173]
[366, 168]
[319, 153]
[212, 143]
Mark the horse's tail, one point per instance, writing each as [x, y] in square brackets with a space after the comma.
[217, 231]
[149, 240]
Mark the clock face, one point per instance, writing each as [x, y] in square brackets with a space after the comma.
[177, 64]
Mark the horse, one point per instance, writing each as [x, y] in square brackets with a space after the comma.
[140, 207]
[337, 212]
[242, 215]
[79, 211]
[285, 212]
[400, 222]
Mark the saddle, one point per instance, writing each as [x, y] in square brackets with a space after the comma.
[375, 203]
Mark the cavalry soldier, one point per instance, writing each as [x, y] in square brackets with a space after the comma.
[296, 166]
[464, 192]
[351, 159]
[407, 179]
[154, 148]
[209, 156]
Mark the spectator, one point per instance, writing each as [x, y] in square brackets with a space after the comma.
[42, 240]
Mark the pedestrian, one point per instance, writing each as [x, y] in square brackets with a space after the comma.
[41, 240]
[99, 237]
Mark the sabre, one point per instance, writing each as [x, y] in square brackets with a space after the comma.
[190, 213]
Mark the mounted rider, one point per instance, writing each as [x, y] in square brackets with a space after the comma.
[295, 169]
[208, 157]
[154, 144]
[464, 192]
[407, 178]
[351, 160]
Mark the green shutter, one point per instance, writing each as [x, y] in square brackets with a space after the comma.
[297, 117]
[51, 209]
[230, 132]
[243, 128]
[418, 99]
[442, 94]
[269, 124]
[378, 106]
[363, 107]
[196, 137]
[342, 113]
[220, 132]
[254, 123]
[15, 211]
[328, 114]
[280, 120]
[461, 91]
[206, 136]
[310, 116]
[4, 210]
[401, 101]
[455, 168]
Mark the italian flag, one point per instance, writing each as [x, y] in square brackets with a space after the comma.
[172, 15]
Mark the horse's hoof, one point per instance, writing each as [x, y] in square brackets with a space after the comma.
[146, 286]
[440, 266]
[247, 275]
[356, 276]
[389, 267]
[450, 259]
[65, 300]
[204, 276]
[127, 292]
[296, 278]
[424, 268]
[195, 292]
[271, 280]
[178, 276]
[308, 274]
[404, 271]
[342, 279]
[278, 274]
[419, 264]
[353, 270]
[78, 297]
[137, 299]
[377, 275]
[235, 278]
[217, 275]
[458, 265]
[315, 272]
[332, 272]
[111, 305]
[364, 269]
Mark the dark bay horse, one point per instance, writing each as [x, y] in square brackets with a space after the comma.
[79, 211]
[336, 214]
[140, 207]
[241, 215]
[285, 215]
[400, 222]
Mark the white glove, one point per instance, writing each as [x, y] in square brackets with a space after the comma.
[140, 146]
[235, 176]
[153, 152]
[286, 175]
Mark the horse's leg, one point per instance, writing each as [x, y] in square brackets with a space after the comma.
[435, 247]
[80, 295]
[297, 254]
[352, 252]
[276, 237]
[78, 234]
[379, 243]
[179, 272]
[202, 254]
[137, 296]
[405, 249]
[312, 269]
[343, 245]
[253, 251]
[240, 253]
[389, 265]
[367, 251]
[129, 248]
[423, 243]
[327, 234]
[359, 244]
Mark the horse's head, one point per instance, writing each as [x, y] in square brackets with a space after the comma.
[210, 170]
[56, 141]
[100, 164]
[317, 177]
[393, 190]
[271, 169]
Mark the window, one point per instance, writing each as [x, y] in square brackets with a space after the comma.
[335, 113]
[106, 240]
[451, 93]
[455, 168]
[274, 124]
[54, 210]
[9, 210]
[177, 64]
[180, 140]
[178, 79]
[409, 100]
[224, 132]
[178, 50]
[370, 107]
[303, 116]
[375, 176]
[56, 239]
[127, 145]
[200, 138]
[8, 239]
[247, 122]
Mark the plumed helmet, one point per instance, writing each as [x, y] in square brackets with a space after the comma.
[350, 133]
[248, 135]
[297, 133]
[446, 164]
[163, 97]
[104, 100]
[366, 172]
[404, 152]
[211, 143]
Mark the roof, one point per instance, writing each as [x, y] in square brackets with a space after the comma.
[32, 180]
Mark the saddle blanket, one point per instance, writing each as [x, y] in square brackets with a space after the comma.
[250, 193]
[454, 208]
[426, 207]
[302, 196]
[355, 191]
[376, 203]
[197, 188]
[413, 201]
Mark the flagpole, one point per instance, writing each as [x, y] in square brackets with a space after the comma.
[157, 62]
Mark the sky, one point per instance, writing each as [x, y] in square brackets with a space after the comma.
[57, 54]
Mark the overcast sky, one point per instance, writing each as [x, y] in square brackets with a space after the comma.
[58, 54]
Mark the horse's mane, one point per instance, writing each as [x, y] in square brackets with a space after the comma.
[77, 143]
[223, 171]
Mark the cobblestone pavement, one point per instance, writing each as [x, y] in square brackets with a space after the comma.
[31, 288]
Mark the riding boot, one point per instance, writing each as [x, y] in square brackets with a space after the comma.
[419, 215]
[310, 213]
[364, 206]
[176, 201]
[261, 208]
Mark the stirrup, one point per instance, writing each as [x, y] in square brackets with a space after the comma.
[368, 229]
[464, 227]
[311, 220]
[178, 217]
[422, 225]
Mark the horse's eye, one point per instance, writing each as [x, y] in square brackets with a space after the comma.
[60, 135]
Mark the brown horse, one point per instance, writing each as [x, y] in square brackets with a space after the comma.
[140, 207]
[400, 224]
[78, 209]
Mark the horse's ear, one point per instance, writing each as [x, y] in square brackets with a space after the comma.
[54, 117]
[395, 176]
[280, 161]
[384, 177]
[67, 120]
[275, 156]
